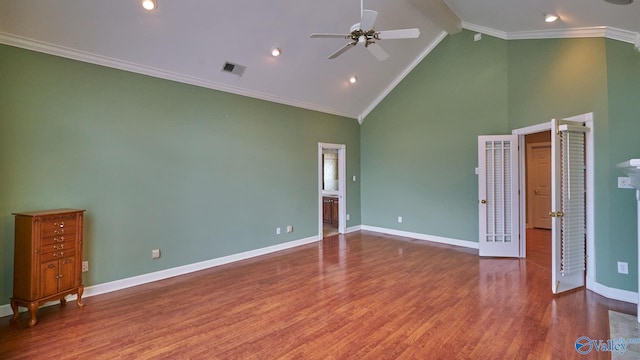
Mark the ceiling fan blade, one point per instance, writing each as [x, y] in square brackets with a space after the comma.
[377, 51]
[330, 36]
[368, 19]
[399, 34]
[342, 50]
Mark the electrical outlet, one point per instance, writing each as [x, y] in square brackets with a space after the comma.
[624, 183]
[399, 219]
[277, 231]
[623, 267]
[348, 217]
[155, 253]
[289, 228]
[85, 266]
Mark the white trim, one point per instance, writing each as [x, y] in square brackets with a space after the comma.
[5, 310]
[587, 119]
[612, 293]
[57, 50]
[585, 32]
[401, 77]
[176, 271]
[485, 30]
[521, 132]
[43, 47]
[532, 129]
[425, 237]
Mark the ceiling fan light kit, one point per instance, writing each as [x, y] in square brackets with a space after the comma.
[365, 33]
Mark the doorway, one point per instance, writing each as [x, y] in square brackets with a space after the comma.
[502, 203]
[584, 121]
[538, 191]
[332, 183]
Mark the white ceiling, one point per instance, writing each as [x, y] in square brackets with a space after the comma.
[189, 40]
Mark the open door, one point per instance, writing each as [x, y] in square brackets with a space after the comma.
[340, 192]
[568, 204]
[498, 195]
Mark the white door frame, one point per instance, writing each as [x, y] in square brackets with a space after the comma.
[342, 186]
[586, 119]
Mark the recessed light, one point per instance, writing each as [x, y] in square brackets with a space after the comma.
[550, 17]
[275, 52]
[353, 80]
[149, 4]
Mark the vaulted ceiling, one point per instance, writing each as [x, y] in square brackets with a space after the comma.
[190, 40]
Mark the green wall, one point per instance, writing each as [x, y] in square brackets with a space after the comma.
[620, 241]
[419, 146]
[202, 174]
[565, 77]
[197, 173]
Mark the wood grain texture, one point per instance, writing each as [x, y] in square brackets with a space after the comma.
[363, 295]
[539, 247]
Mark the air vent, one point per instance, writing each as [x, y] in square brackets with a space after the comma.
[234, 68]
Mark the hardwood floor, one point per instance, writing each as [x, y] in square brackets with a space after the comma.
[539, 247]
[361, 295]
[328, 230]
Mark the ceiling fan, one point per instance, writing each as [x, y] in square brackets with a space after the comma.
[364, 32]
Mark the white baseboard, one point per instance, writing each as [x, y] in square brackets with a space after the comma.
[5, 310]
[418, 236]
[354, 228]
[612, 293]
[93, 290]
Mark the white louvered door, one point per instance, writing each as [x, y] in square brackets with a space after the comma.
[498, 195]
[568, 205]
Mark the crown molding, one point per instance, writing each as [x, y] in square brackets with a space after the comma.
[51, 49]
[485, 30]
[596, 31]
[585, 32]
[73, 54]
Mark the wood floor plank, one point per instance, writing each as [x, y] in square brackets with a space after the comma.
[363, 295]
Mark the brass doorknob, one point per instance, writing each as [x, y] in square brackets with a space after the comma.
[483, 201]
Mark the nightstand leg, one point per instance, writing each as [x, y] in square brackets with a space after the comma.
[14, 307]
[33, 311]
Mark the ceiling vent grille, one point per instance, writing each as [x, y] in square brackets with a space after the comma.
[234, 68]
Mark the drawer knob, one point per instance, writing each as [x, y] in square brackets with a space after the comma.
[60, 224]
[61, 231]
[60, 255]
[56, 247]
